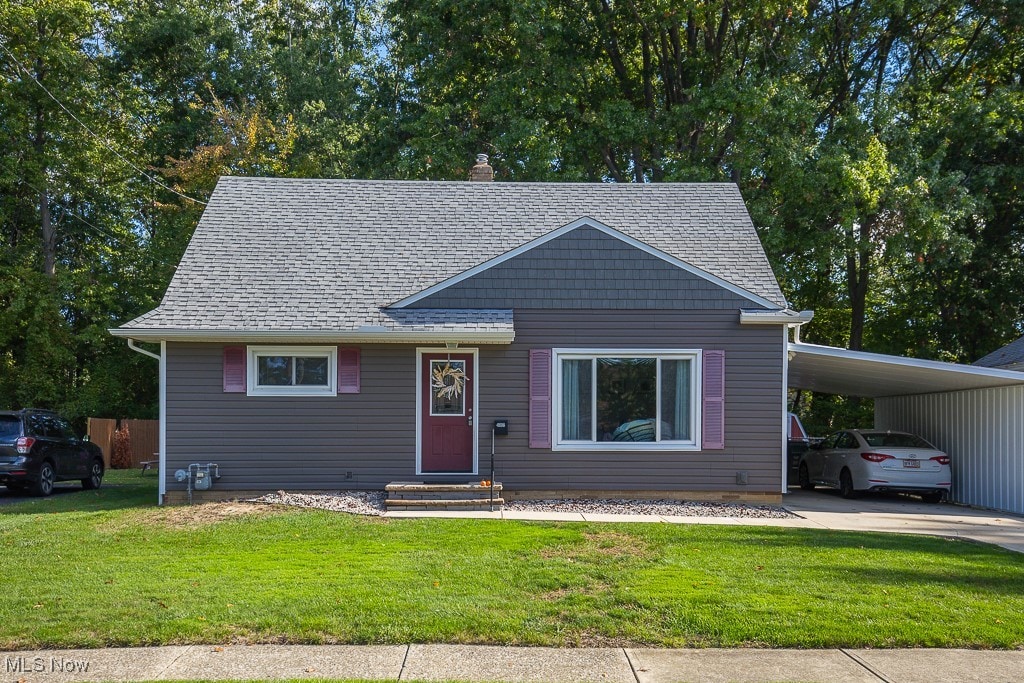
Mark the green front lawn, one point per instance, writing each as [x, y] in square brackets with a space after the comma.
[120, 489]
[133, 574]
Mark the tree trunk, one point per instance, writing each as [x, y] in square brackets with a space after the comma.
[49, 234]
[858, 268]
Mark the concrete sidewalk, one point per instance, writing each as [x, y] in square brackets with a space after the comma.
[510, 664]
[821, 510]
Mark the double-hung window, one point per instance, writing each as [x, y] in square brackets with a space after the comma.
[292, 370]
[624, 400]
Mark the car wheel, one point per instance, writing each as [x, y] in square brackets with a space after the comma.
[846, 489]
[95, 477]
[804, 477]
[933, 496]
[44, 485]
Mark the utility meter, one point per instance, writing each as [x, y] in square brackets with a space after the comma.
[203, 480]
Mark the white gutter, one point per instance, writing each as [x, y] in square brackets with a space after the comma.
[901, 361]
[133, 347]
[162, 357]
[778, 317]
[346, 336]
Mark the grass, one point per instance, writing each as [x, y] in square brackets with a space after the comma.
[121, 489]
[92, 569]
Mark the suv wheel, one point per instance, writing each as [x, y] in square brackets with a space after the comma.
[95, 477]
[47, 477]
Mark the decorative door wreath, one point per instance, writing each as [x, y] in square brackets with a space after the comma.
[448, 381]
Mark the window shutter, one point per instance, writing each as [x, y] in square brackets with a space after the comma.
[713, 411]
[540, 398]
[348, 371]
[234, 370]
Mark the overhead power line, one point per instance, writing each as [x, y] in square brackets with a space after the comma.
[121, 240]
[22, 69]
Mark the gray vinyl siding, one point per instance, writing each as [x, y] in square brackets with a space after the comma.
[589, 269]
[278, 442]
[753, 359]
[270, 443]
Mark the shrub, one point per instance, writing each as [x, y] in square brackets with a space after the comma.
[121, 451]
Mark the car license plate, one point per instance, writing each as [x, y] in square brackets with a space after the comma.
[916, 464]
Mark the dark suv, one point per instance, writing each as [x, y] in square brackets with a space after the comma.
[39, 448]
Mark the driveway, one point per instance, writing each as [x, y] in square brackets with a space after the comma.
[906, 515]
[8, 496]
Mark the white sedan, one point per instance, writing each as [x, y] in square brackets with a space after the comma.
[858, 460]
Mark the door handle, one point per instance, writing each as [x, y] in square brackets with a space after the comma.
[469, 420]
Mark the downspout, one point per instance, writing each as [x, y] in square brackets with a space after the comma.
[133, 347]
[785, 399]
[162, 358]
[785, 409]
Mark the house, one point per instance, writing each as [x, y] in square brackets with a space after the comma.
[344, 334]
[1009, 357]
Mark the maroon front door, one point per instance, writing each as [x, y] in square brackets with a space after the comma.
[446, 409]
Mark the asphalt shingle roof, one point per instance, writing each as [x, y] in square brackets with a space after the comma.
[274, 254]
[1011, 354]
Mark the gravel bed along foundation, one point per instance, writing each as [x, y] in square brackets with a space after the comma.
[356, 502]
[679, 508]
[372, 503]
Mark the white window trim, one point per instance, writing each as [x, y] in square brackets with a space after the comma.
[696, 367]
[329, 352]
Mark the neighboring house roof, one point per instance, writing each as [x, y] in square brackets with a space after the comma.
[1010, 356]
[285, 255]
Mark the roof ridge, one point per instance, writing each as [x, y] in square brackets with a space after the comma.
[484, 186]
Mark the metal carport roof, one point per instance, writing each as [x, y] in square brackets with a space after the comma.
[831, 370]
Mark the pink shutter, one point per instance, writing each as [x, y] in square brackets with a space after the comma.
[348, 371]
[713, 410]
[234, 369]
[540, 398]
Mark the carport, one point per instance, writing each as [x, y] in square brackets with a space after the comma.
[975, 414]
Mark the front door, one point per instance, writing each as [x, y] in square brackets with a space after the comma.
[446, 409]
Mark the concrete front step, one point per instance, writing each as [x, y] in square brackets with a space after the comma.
[442, 504]
[441, 495]
[420, 487]
[452, 501]
[449, 506]
[418, 496]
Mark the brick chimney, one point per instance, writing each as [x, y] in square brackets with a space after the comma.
[482, 171]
